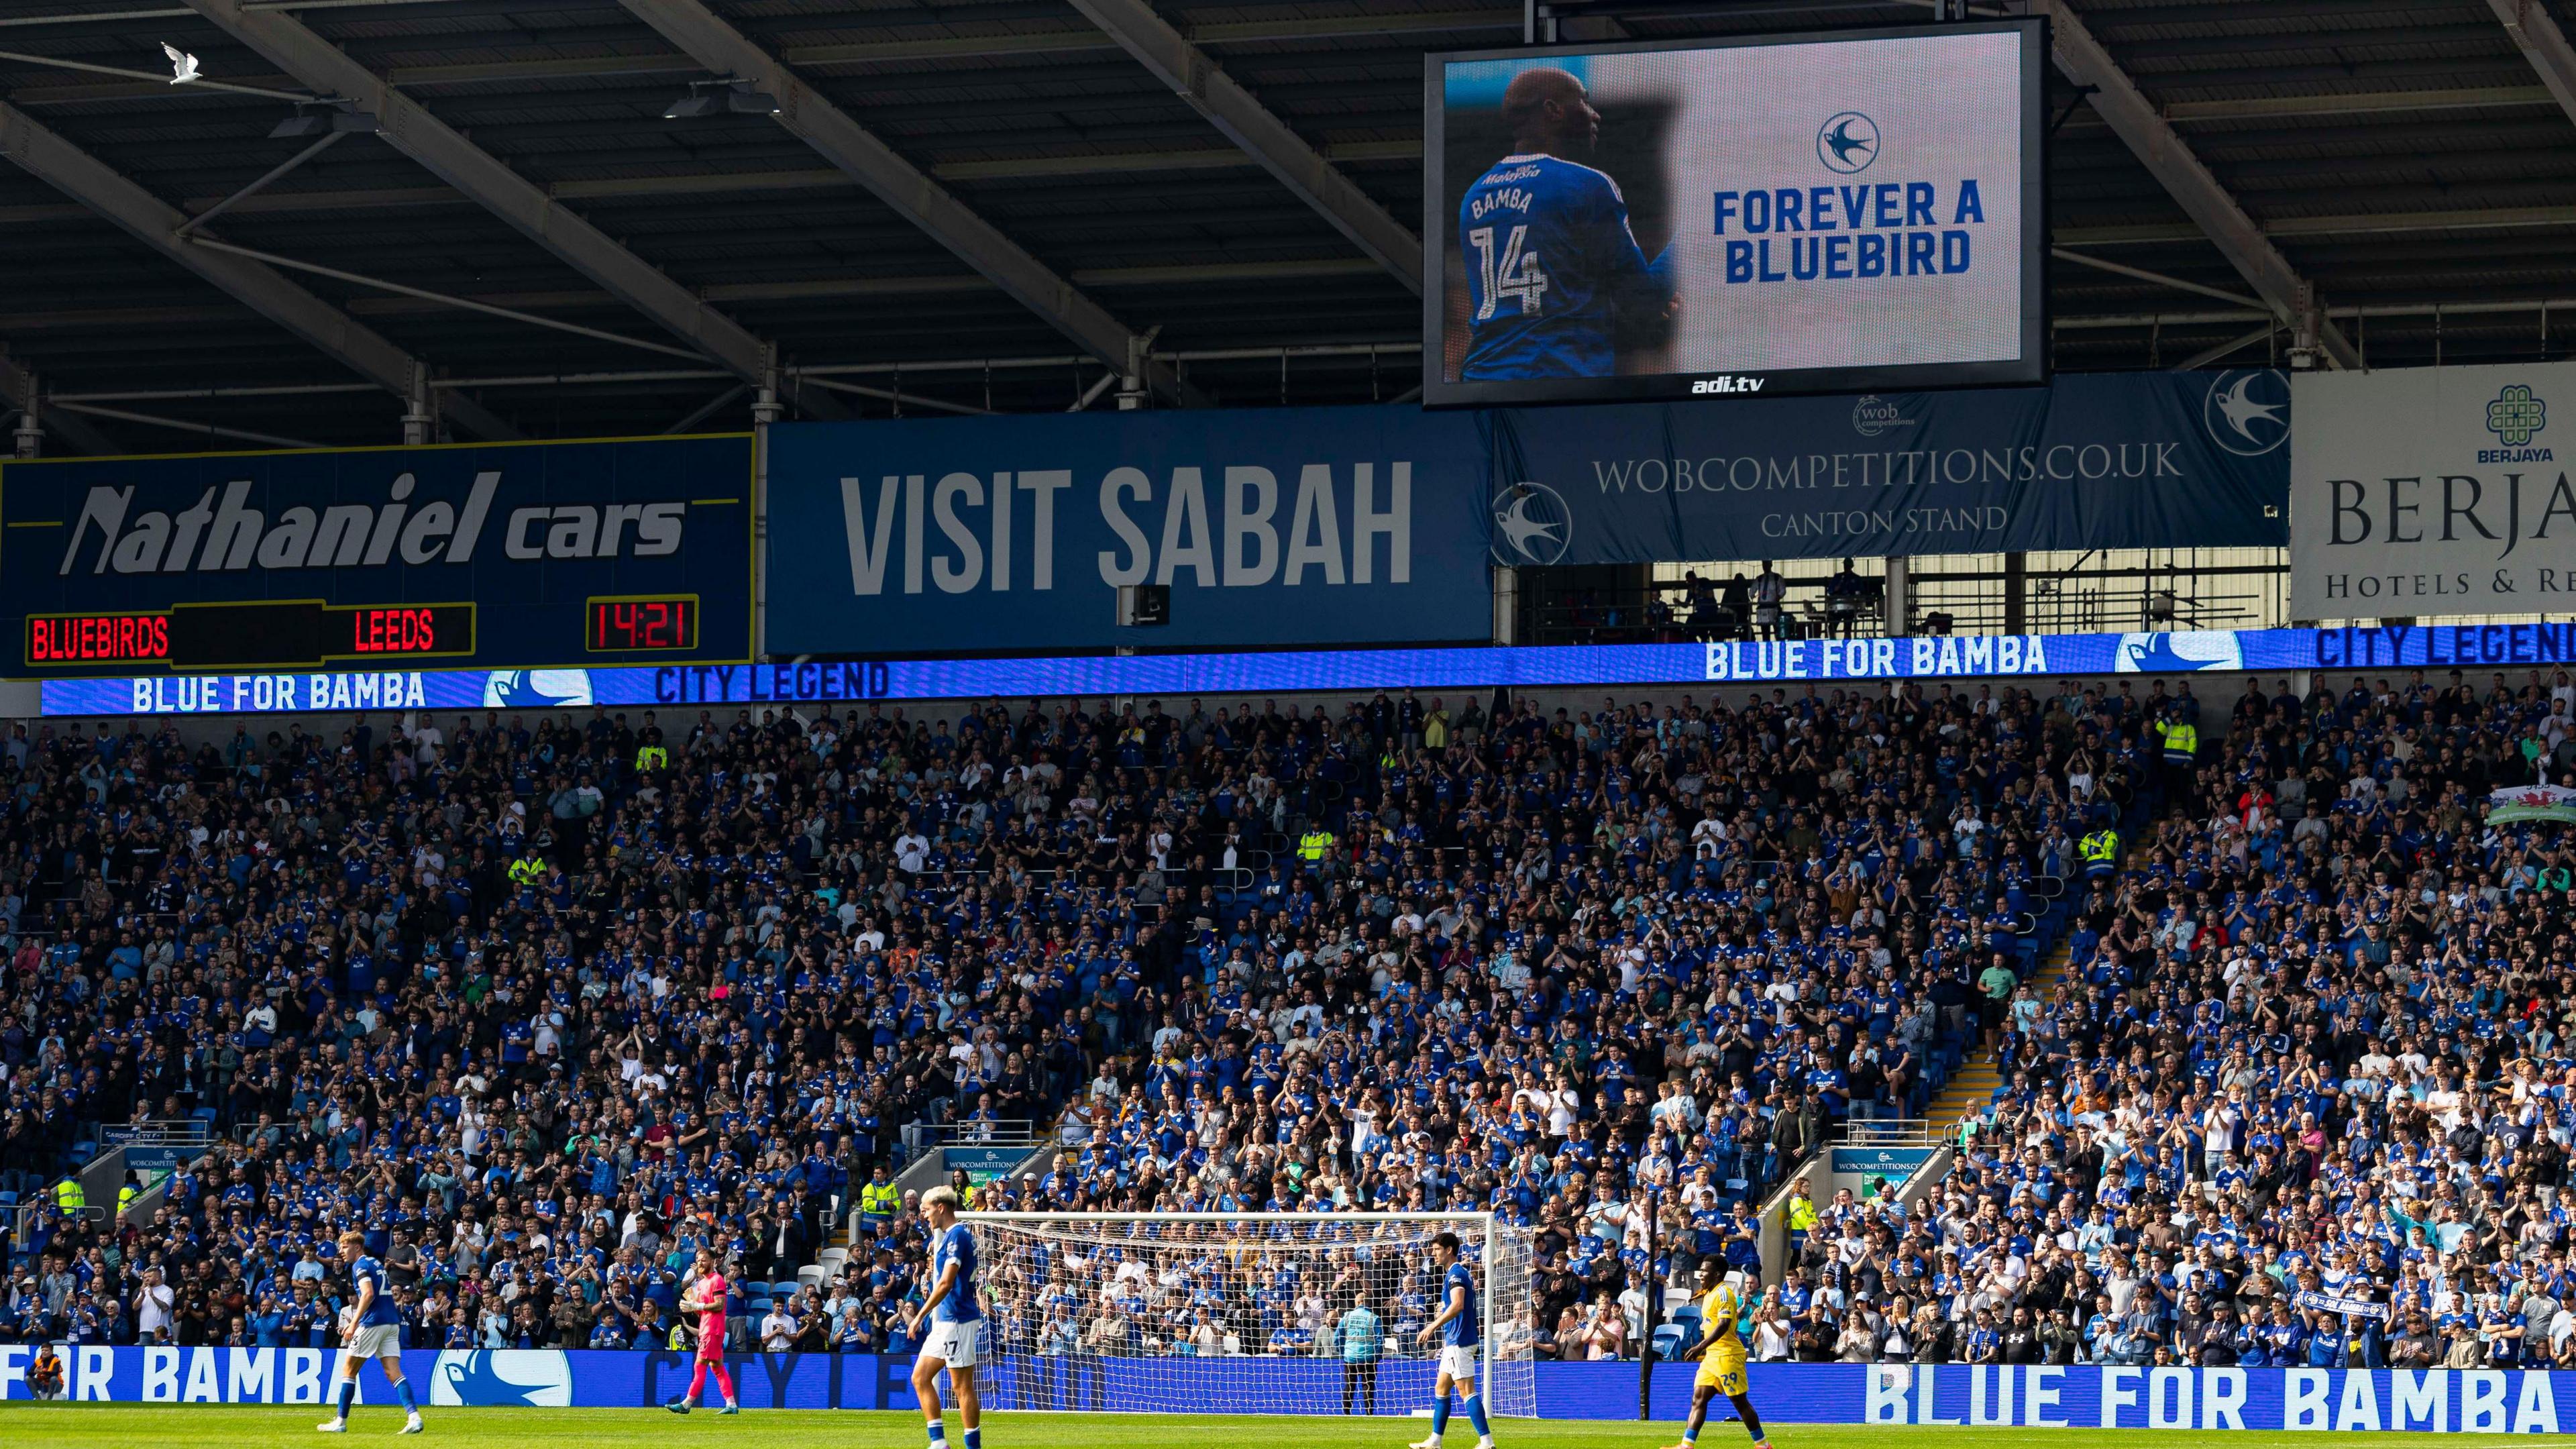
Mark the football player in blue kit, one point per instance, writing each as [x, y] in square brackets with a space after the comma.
[372, 1329]
[1552, 267]
[1460, 1330]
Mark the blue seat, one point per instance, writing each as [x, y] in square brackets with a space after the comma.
[1669, 1341]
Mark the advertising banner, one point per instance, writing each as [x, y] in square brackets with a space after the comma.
[2030, 658]
[2432, 491]
[1270, 527]
[2083, 1396]
[1896, 1164]
[471, 555]
[2094, 460]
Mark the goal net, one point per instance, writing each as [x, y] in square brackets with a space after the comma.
[1261, 1313]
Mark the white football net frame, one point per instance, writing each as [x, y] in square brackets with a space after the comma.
[1114, 1311]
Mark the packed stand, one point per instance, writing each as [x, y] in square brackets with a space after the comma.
[543, 1005]
[2304, 1098]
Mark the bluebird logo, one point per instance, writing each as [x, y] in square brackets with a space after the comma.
[2187, 651]
[536, 688]
[539, 1378]
[2247, 412]
[1847, 142]
[1532, 526]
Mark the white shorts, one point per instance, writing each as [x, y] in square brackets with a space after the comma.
[376, 1340]
[953, 1344]
[1459, 1363]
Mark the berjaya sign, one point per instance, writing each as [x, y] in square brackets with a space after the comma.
[2433, 491]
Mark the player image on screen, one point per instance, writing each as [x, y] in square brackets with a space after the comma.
[1553, 270]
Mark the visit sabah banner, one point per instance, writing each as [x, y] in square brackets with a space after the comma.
[2094, 460]
[1274, 526]
[2474, 1401]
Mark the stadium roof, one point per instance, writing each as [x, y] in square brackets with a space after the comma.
[974, 204]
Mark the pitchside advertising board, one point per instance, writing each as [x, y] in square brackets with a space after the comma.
[1801, 213]
[2033, 660]
[2475, 1401]
[2434, 491]
[380, 558]
[1010, 534]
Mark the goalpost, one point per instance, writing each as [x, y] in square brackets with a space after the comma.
[1242, 1313]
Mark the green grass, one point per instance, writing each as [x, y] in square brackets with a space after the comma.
[123, 1426]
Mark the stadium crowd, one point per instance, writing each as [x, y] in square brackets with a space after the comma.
[2304, 1097]
[542, 1006]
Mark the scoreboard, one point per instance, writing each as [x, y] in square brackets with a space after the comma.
[538, 555]
[309, 634]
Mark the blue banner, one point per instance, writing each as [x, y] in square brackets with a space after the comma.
[1895, 1164]
[2474, 1401]
[2094, 460]
[533, 536]
[2022, 656]
[1278, 526]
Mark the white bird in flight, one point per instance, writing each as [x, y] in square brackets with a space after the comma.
[2243, 412]
[183, 66]
[1520, 528]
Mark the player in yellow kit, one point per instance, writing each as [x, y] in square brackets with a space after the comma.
[1720, 1352]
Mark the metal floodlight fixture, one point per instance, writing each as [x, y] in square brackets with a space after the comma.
[719, 97]
[322, 118]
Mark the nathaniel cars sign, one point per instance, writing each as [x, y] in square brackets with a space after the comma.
[531, 554]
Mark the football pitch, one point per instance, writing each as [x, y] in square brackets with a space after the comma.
[61, 1426]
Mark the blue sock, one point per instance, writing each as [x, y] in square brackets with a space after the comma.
[1476, 1416]
[975, 1438]
[938, 1432]
[1690, 1434]
[402, 1391]
[348, 1396]
[1439, 1415]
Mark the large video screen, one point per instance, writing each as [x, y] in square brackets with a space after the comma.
[1808, 213]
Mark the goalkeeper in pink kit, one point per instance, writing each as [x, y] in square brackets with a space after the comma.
[705, 1297]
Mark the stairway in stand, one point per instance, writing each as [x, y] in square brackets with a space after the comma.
[1979, 1076]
